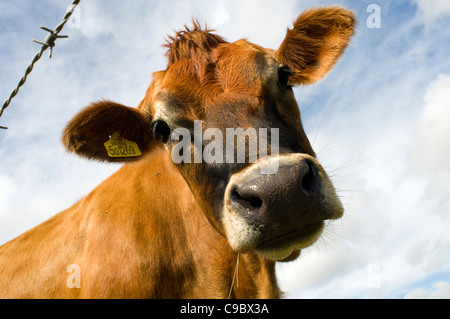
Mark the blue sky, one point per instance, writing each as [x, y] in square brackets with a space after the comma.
[380, 123]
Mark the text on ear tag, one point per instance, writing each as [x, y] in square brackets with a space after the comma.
[117, 146]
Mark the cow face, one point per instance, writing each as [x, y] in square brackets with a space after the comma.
[227, 115]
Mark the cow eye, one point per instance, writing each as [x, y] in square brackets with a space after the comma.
[161, 130]
[283, 76]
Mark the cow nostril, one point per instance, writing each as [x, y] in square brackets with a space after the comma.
[309, 180]
[247, 200]
[256, 202]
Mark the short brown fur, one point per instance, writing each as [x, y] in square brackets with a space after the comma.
[151, 229]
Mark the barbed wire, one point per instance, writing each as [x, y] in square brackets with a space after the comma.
[49, 42]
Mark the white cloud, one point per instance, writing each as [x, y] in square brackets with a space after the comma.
[433, 129]
[440, 290]
[431, 155]
[261, 22]
[431, 11]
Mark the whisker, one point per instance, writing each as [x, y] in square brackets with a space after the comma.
[235, 276]
[323, 149]
[328, 238]
[318, 129]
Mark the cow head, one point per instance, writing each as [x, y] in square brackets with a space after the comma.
[272, 199]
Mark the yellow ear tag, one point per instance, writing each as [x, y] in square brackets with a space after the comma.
[117, 146]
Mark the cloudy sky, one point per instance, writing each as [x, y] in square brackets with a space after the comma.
[380, 123]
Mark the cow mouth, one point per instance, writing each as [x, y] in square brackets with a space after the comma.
[287, 246]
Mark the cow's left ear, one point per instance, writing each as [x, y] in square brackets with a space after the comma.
[125, 130]
[315, 43]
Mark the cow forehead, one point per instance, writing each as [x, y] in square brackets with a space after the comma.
[233, 73]
[245, 63]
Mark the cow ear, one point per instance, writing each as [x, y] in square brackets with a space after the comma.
[125, 130]
[315, 43]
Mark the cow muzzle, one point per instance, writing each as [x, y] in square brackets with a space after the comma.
[279, 213]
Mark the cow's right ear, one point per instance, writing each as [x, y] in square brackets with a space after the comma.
[125, 130]
[315, 43]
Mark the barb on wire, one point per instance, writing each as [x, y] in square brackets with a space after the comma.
[49, 43]
[50, 40]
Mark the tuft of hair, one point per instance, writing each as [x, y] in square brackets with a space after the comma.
[191, 42]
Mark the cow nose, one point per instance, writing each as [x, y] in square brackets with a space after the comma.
[290, 187]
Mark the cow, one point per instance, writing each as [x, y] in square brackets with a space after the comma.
[171, 224]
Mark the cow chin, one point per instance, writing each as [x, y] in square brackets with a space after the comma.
[287, 247]
[244, 237]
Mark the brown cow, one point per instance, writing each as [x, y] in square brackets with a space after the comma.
[160, 228]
